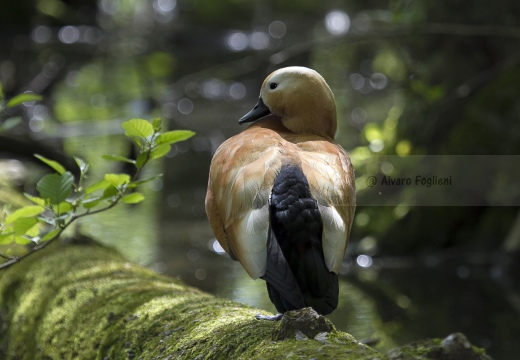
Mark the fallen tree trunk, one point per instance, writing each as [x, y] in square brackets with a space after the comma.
[84, 301]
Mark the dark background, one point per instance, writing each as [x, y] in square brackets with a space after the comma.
[418, 78]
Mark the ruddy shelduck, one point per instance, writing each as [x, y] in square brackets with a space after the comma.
[281, 194]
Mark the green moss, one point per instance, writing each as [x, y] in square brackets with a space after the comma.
[87, 302]
[453, 347]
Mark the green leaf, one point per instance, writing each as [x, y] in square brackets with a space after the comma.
[82, 164]
[20, 240]
[63, 207]
[34, 231]
[160, 151]
[117, 179]
[133, 198]
[53, 164]
[55, 188]
[22, 98]
[100, 185]
[110, 192]
[35, 199]
[24, 212]
[157, 122]
[137, 127]
[171, 137]
[22, 225]
[118, 158]
[6, 239]
[10, 123]
[51, 235]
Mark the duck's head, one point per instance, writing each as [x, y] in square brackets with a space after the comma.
[302, 100]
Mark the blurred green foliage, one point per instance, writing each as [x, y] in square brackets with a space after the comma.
[410, 78]
[55, 209]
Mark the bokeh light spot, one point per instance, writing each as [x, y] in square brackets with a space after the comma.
[185, 106]
[403, 147]
[337, 22]
[364, 261]
[277, 29]
[359, 115]
[362, 219]
[68, 34]
[200, 274]
[376, 145]
[237, 91]
[237, 41]
[357, 81]
[259, 40]
[378, 81]
[41, 34]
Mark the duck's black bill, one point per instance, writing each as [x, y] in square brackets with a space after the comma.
[259, 111]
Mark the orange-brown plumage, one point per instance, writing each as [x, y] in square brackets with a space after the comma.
[298, 132]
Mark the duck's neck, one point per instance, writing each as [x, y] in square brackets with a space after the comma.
[322, 128]
[312, 123]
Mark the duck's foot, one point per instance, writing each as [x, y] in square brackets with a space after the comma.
[276, 317]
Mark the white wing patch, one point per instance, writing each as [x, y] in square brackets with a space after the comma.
[334, 239]
[251, 247]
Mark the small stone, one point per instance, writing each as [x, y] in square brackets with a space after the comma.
[322, 336]
[455, 342]
[300, 336]
[306, 320]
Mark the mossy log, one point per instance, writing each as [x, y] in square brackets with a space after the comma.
[85, 301]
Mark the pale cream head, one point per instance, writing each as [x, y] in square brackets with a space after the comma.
[302, 99]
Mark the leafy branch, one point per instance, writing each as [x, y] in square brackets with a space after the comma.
[62, 200]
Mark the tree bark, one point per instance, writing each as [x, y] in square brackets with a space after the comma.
[80, 300]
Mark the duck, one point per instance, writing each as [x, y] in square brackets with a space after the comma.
[281, 193]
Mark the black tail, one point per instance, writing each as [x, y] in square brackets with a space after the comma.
[296, 273]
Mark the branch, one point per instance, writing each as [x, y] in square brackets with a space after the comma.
[128, 312]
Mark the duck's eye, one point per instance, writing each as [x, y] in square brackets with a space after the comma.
[273, 86]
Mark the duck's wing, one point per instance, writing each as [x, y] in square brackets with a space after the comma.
[237, 202]
[331, 179]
